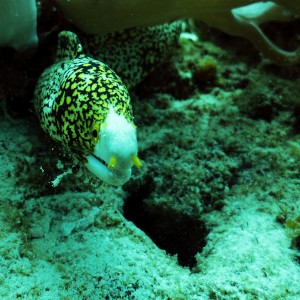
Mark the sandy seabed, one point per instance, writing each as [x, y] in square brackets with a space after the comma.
[213, 213]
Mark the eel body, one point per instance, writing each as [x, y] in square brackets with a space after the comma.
[83, 104]
[134, 53]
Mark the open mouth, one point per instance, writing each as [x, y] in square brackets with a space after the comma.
[101, 169]
[100, 160]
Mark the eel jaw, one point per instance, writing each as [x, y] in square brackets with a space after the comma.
[116, 150]
[111, 176]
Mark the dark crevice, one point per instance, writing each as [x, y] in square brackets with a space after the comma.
[296, 245]
[176, 233]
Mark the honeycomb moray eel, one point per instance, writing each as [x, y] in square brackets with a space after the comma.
[135, 52]
[83, 104]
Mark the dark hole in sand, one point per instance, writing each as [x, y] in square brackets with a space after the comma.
[178, 234]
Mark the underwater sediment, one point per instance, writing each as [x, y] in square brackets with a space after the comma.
[212, 214]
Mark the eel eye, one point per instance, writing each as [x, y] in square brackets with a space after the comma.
[95, 131]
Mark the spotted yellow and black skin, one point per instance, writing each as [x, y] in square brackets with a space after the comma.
[73, 97]
[135, 52]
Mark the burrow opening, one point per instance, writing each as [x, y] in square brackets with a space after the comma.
[176, 233]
